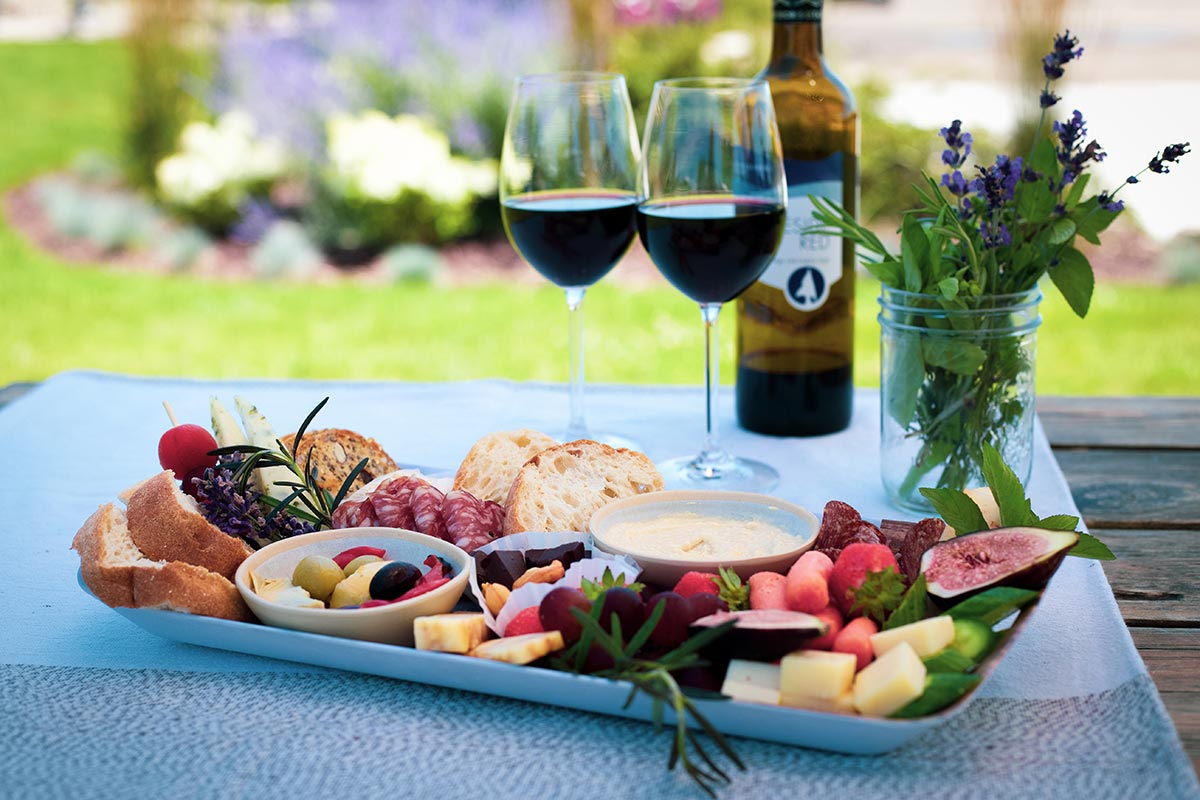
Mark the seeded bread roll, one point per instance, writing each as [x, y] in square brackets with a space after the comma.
[335, 452]
[166, 525]
[492, 462]
[120, 575]
[561, 487]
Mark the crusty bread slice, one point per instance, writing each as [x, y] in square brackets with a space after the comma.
[166, 525]
[561, 487]
[492, 462]
[335, 452]
[119, 573]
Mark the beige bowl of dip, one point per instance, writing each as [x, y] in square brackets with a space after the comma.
[670, 533]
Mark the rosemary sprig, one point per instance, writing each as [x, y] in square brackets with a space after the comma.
[654, 678]
[307, 500]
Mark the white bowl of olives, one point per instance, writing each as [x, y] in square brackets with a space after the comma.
[357, 583]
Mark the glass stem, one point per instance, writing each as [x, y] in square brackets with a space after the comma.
[576, 428]
[712, 454]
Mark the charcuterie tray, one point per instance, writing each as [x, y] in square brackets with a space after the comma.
[824, 731]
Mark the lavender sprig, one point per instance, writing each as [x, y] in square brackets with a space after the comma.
[240, 511]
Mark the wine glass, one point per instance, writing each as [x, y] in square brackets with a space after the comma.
[711, 215]
[568, 193]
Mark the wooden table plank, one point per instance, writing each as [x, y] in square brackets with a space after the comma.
[1171, 423]
[1156, 577]
[1147, 489]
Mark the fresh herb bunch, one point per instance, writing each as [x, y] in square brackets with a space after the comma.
[240, 510]
[307, 500]
[971, 245]
[655, 678]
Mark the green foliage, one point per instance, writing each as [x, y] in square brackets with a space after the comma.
[912, 608]
[285, 252]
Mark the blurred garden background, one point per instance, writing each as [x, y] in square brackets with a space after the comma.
[307, 189]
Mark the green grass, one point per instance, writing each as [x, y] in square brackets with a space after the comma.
[63, 97]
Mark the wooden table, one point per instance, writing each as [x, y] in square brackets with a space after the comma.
[1133, 465]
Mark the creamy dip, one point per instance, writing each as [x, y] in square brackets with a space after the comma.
[699, 536]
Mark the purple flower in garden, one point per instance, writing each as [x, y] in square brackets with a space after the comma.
[1170, 154]
[959, 144]
[1048, 98]
[955, 182]
[255, 216]
[1063, 52]
[998, 236]
[997, 184]
[1072, 153]
[1108, 204]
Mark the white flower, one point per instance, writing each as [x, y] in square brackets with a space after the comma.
[223, 157]
[727, 46]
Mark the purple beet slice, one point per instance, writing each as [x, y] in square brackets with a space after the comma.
[761, 635]
[1022, 557]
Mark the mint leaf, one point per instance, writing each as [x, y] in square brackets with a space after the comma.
[957, 509]
[911, 608]
[914, 252]
[1074, 279]
[886, 272]
[992, 605]
[1058, 522]
[907, 372]
[1015, 510]
[957, 356]
[1062, 231]
[1091, 547]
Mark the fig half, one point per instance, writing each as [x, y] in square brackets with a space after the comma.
[762, 634]
[1022, 557]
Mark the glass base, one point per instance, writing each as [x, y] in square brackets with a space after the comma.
[730, 474]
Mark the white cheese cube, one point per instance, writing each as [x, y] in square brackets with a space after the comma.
[817, 673]
[842, 704]
[927, 636]
[752, 682]
[890, 682]
[450, 633]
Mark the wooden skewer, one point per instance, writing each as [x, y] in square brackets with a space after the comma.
[171, 414]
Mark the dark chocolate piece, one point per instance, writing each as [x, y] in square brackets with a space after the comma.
[568, 554]
[500, 566]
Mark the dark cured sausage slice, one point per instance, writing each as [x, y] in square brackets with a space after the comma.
[470, 522]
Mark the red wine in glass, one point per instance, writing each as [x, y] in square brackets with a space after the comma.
[573, 238]
[711, 249]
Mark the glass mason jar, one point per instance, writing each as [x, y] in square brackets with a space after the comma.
[954, 374]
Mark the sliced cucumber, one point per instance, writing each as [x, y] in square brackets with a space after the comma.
[973, 638]
[261, 434]
[941, 689]
[225, 427]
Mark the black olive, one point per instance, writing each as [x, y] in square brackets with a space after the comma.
[393, 580]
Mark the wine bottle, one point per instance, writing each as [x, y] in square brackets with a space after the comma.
[795, 339]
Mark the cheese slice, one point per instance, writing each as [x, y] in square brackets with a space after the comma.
[927, 636]
[817, 674]
[890, 682]
[450, 633]
[752, 682]
[842, 704]
[520, 649]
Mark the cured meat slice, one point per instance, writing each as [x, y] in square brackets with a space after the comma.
[841, 526]
[470, 522]
[910, 540]
[389, 505]
[426, 502]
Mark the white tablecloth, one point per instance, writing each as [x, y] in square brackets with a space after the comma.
[94, 706]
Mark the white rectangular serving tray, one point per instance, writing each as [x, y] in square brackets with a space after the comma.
[841, 733]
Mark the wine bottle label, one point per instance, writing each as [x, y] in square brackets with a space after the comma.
[807, 264]
[798, 10]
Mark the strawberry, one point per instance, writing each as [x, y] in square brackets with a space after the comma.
[696, 583]
[526, 621]
[850, 570]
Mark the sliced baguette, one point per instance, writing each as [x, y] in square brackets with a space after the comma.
[335, 452]
[561, 487]
[166, 525]
[120, 575]
[493, 462]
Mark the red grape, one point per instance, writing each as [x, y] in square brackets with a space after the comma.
[626, 604]
[672, 627]
[555, 612]
[185, 448]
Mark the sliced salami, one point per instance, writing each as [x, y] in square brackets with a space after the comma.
[389, 505]
[470, 523]
[841, 525]
[426, 502]
[910, 540]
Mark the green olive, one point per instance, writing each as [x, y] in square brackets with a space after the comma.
[317, 575]
[353, 566]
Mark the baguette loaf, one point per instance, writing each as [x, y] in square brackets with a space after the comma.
[119, 573]
[561, 487]
[493, 462]
[166, 525]
[335, 452]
